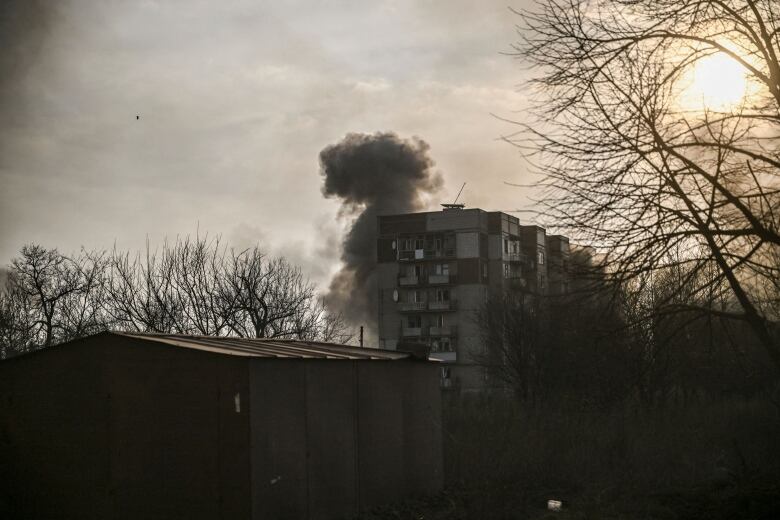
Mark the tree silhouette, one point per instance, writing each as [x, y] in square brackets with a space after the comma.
[628, 168]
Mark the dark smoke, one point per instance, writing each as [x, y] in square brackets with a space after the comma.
[372, 174]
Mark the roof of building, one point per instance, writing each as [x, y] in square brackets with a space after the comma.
[270, 347]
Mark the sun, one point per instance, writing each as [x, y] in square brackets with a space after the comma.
[716, 82]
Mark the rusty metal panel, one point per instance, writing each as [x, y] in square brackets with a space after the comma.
[234, 461]
[106, 427]
[399, 425]
[178, 444]
[331, 439]
[278, 439]
[422, 452]
[53, 449]
[380, 433]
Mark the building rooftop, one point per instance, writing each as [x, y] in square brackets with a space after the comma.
[268, 347]
[259, 347]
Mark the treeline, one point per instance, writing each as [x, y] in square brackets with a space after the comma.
[665, 337]
[190, 286]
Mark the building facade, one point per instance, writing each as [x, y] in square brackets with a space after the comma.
[436, 270]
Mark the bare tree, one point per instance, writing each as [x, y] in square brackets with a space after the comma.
[17, 320]
[45, 278]
[190, 286]
[510, 328]
[270, 298]
[49, 297]
[628, 168]
[83, 312]
[197, 268]
[141, 294]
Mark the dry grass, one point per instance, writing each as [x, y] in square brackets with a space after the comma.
[502, 461]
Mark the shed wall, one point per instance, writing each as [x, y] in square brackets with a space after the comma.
[53, 443]
[178, 442]
[109, 427]
[330, 438]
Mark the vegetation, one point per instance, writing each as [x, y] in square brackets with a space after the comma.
[191, 286]
[635, 161]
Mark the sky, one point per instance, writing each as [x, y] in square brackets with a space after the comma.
[235, 100]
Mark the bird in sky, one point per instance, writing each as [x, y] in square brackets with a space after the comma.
[137, 117]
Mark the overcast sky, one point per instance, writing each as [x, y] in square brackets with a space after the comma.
[236, 99]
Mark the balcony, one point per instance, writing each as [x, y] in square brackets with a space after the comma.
[446, 305]
[425, 254]
[434, 279]
[446, 357]
[411, 306]
[516, 283]
[408, 332]
[414, 254]
[447, 330]
[440, 253]
[408, 280]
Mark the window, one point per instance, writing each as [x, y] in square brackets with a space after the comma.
[442, 295]
[506, 245]
[506, 271]
[414, 321]
[407, 244]
[442, 269]
[541, 257]
[484, 271]
[418, 243]
[440, 320]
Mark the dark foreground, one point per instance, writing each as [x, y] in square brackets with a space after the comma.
[759, 500]
[704, 460]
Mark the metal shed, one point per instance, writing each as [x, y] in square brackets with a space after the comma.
[120, 425]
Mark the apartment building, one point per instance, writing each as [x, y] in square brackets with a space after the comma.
[436, 269]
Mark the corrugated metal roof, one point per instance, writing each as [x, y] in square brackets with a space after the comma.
[269, 347]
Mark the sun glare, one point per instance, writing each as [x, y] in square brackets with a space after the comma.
[717, 82]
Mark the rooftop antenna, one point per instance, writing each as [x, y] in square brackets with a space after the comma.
[455, 204]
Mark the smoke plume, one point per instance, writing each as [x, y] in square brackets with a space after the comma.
[372, 174]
